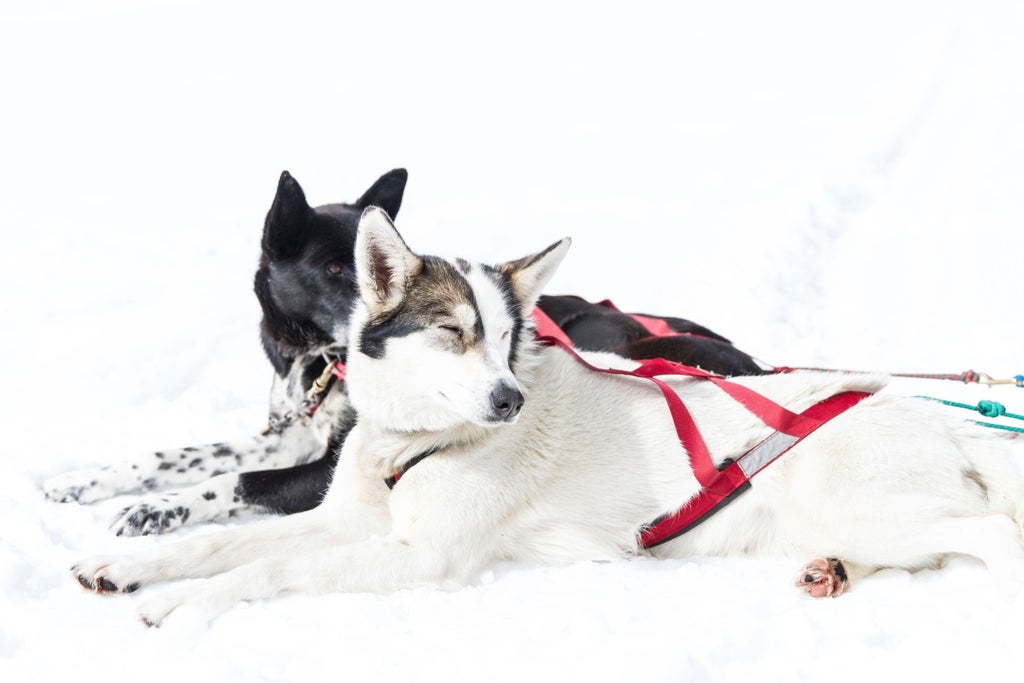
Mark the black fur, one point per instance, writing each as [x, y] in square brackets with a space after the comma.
[306, 287]
[594, 327]
[306, 279]
[839, 569]
[293, 489]
[590, 326]
[305, 284]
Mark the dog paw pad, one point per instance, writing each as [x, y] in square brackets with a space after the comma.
[823, 578]
[106, 574]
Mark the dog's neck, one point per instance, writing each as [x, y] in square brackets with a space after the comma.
[393, 448]
[283, 353]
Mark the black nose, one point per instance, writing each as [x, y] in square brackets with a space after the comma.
[506, 401]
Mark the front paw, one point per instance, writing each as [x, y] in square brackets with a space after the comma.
[106, 574]
[152, 515]
[84, 486]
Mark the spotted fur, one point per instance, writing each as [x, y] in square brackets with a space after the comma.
[577, 474]
[305, 285]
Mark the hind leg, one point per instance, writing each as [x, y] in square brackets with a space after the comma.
[830, 577]
[994, 539]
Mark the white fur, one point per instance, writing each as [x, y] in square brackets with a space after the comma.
[442, 389]
[592, 458]
[380, 251]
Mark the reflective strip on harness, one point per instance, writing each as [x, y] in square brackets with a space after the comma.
[734, 480]
[766, 451]
[718, 487]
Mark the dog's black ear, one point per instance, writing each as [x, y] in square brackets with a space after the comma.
[288, 218]
[531, 273]
[384, 264]
[386, 193]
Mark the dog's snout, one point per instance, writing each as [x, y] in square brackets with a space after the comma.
[506, 401]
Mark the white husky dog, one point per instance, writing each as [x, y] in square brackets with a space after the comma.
[521, 453]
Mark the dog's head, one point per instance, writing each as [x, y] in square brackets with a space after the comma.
[435, 342]
[306, 280]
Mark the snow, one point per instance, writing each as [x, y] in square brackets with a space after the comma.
[832, 186]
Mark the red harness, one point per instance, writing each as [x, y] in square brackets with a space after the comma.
[655, 326]
[718, 487]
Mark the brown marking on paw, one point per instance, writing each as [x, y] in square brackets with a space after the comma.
[823, 578]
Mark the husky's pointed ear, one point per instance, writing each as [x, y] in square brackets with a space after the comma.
[529, 275]
[386, 192]
[384, 264]
[288, 217]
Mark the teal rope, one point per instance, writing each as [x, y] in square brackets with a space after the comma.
[992, 409]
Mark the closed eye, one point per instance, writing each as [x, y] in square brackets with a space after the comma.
[453, 330]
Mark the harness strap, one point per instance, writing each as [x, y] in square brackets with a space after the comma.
[339, 370]
[718, 487]
[769, 412]
[546, 327]
[655, 326]
[686, 429]
[734, 480]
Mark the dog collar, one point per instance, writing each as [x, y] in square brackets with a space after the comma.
[393, 479]
[335, 370]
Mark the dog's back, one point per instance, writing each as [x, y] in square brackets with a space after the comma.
[592, 458]
[597, 327]
[474, 445]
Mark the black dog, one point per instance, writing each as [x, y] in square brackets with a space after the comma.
[305, 285]
[596, 327]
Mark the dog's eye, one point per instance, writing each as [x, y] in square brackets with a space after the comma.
[506, 335]
[453, 330]
[334, 269]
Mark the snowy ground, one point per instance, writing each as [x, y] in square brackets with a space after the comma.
[835, 187]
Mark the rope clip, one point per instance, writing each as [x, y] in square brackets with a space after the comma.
[988, 380]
